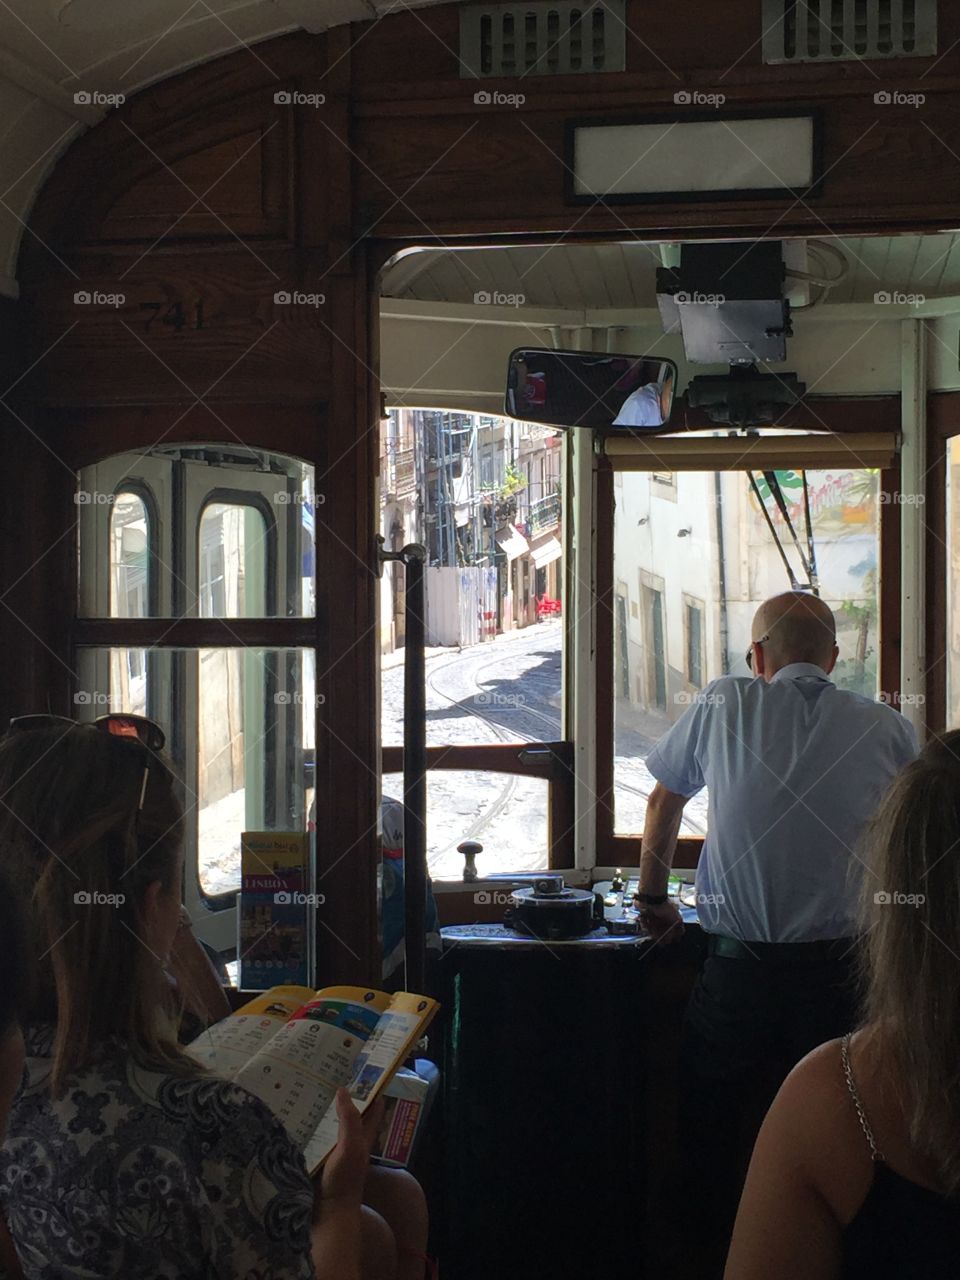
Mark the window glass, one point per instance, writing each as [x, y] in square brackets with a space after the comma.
[505, 813]
[483, 495]
[243, 743]
[254, 752]
[234, 535]
[129, 573]
[692, 562]
[129, 557]
[128, 682]
[233, 561]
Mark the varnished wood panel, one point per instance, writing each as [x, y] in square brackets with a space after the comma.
[943, 421]
[38, 596]
[435, 163]
[695, 44]
[226, 188]
[498, 169]
[188, 115]
[179, 329]
[81, 435]
[498, 757]
[602, 609]
[348, 744]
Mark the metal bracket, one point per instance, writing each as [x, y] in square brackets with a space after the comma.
[412, 551]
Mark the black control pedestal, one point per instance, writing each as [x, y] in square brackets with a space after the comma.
[542, 1094]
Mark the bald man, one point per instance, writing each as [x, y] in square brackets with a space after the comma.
[794, 768]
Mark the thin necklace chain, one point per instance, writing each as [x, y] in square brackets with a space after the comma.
[857, 1100]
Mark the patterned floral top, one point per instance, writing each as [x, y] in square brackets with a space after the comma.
[148, 1176]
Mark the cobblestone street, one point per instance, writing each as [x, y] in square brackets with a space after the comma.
[507, 691]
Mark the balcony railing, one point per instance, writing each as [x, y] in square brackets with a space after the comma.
[544, 514]
[403, 472]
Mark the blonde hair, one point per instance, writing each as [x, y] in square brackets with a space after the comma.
[73, 841]
[911, 970]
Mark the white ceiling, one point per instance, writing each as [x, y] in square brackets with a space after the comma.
[623, 276]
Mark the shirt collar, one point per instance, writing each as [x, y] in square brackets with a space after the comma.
[801, 671]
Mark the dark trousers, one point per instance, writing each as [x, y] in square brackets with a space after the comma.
[748, 1022]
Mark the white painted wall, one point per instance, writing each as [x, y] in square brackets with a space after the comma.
[647, 549]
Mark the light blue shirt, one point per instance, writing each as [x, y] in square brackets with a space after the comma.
[641, 408]
[794, 769]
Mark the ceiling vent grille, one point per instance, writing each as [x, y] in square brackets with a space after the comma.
[559, 39]
[848, 30]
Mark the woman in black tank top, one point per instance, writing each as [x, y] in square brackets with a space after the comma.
[856, 1171]
[902, 1228]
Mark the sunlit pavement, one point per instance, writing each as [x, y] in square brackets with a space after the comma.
[507, 690]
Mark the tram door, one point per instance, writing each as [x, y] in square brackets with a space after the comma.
[623, 649]
[207, 532]
[656, 649]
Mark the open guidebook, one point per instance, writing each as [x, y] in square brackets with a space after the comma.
[294, 1048]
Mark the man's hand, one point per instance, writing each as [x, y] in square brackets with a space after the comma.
[664, 922]
[346, 1170]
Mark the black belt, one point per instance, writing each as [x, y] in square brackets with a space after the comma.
[719, 944]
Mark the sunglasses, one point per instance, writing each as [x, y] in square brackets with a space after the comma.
[748, 657]
[130, 727]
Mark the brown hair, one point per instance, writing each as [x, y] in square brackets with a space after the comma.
[911, 911]
[73, 842]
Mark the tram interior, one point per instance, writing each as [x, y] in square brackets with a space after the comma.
[413, 597]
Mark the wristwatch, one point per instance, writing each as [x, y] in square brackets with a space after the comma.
[651, 899]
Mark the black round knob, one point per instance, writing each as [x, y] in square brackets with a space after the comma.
[470, 846]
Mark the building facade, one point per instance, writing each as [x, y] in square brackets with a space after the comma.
[481, 493]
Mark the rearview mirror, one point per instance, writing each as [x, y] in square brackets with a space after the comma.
[589, 388]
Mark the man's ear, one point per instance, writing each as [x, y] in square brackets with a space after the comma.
[833, 658]
[758, 660]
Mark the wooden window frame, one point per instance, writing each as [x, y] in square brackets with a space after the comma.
[943, 424]
[347, 941]
[551, 761]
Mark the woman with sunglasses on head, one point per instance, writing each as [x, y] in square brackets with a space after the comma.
[123, 1157]
[856, 1171]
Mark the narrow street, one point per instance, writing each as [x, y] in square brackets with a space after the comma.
[507, 690]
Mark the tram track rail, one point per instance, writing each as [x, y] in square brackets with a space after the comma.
[470, 706]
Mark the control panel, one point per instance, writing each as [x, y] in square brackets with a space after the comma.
[618, 904]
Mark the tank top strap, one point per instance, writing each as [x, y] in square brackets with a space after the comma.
[857, 1100]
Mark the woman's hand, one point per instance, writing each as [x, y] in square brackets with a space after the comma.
[338, 1208]
[346, 1170]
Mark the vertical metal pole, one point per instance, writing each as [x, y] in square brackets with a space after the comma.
[415, 771]
[581, 605]
[913, 470]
